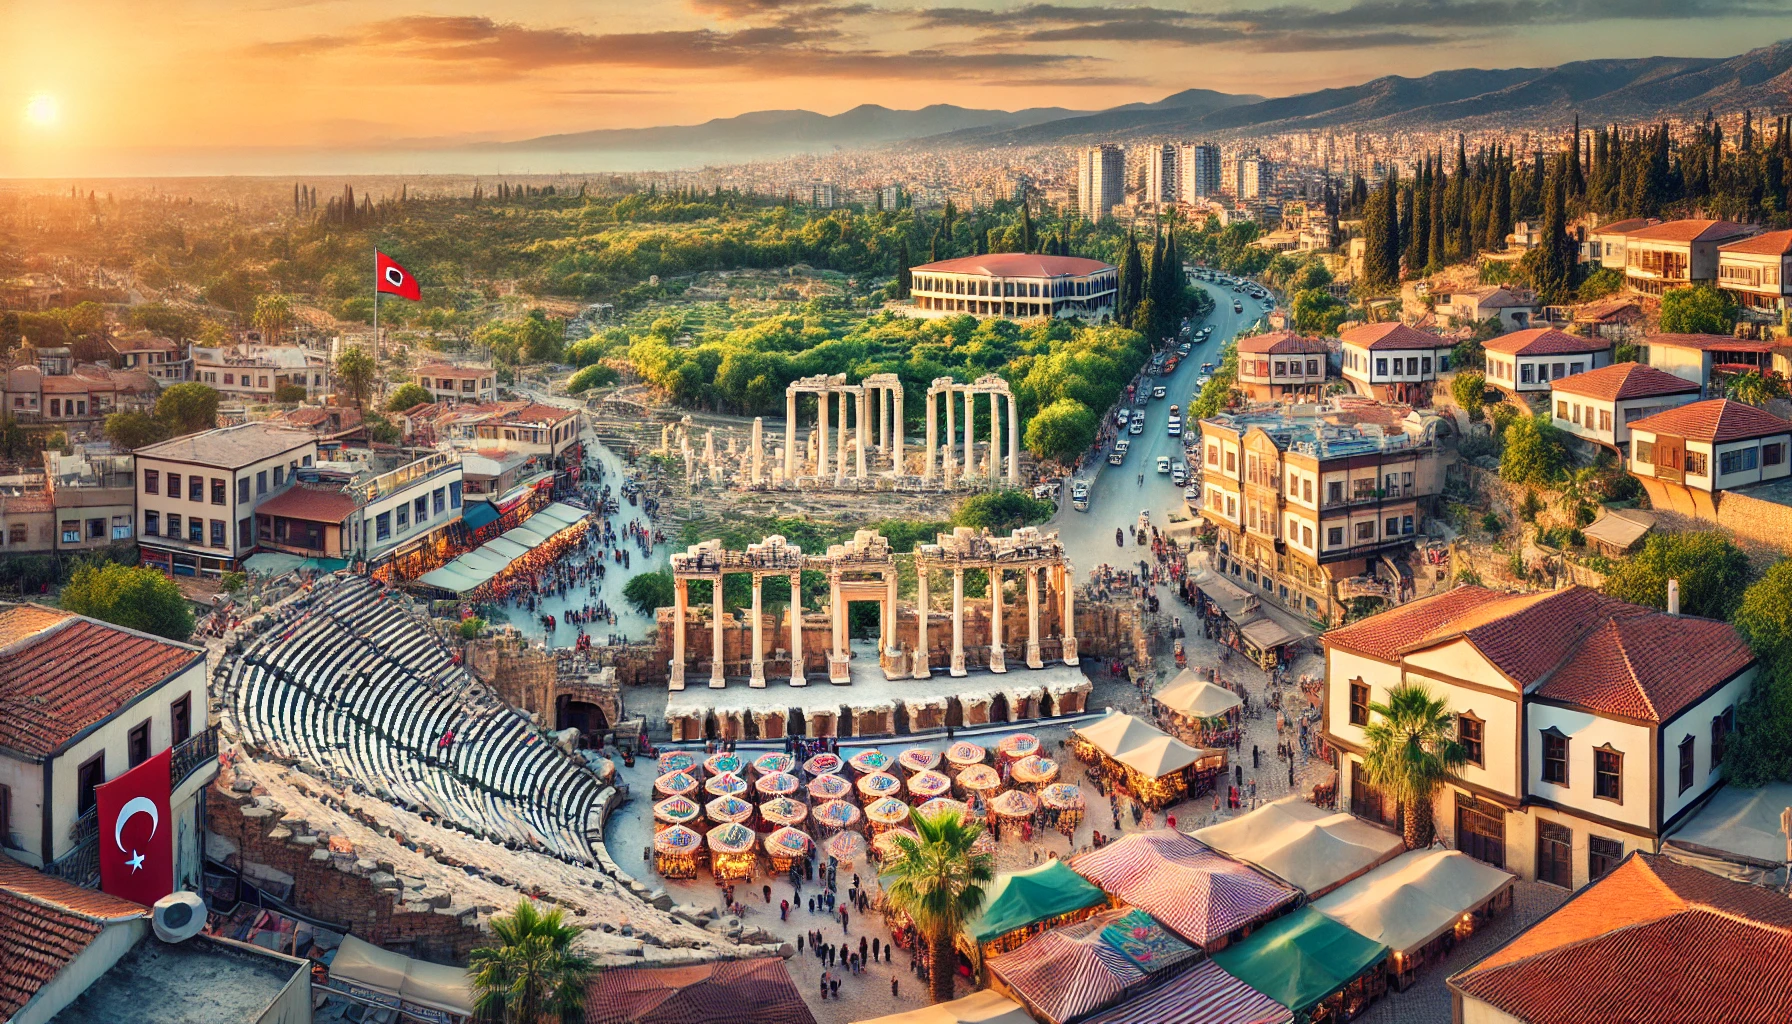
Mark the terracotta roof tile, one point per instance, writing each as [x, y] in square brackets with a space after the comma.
[1690, 231]
[44, 924]
[1544, 341]
[71, 673]
[1652, 941]
[1707, 342]
[1715, 420]
[1773, 243]
[1391, 336]
[537, 411]
[315, 504]
[1648, 667]
[1281, 343]
[1621, 381]
[1620, 227]
[450, 370]
[1017, 264]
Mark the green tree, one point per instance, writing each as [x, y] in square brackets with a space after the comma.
[189, 407]
[1470, 390]
[1002, 511]
[1535, 452]
[937, 879]
[532, 975]
[273, 314]
[289, 393]
[408, 395]
[1061, 431]
[1762, 748]
[1713, 574]
[648, 591]
[1318, 312]
[172, 322]
[1756, 388]
[1412, 753]
[129, 596]
[132, 429]
[598, 375]
[1698, 309]
[355, 374]
[542, 338]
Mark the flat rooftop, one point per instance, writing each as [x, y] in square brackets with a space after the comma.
[1317, 436]
[198, 981]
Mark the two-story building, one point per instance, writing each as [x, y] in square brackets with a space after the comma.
[87, 701]
[1513, 309]
[390, 507]
[1676, 254]
[1301, 503]
[197, 494]
[1600, 405]
[1705, 358]
[1757, 272]
[253, 373]
[1605, 244]
[1684, 456]
[1525, 362]
[535, 429]
[452, 382]
[1392, 362]
[1282, 364]
[95, 496]
[1590, 726]
[1014, 284]
[150, 353]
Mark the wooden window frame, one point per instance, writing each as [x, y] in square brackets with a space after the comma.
[1618, 775]
[96, 761]
[1553, 733]
[1480, 741]
[146, 731]
[1722, 724]
[1355, 685]
[1566, 862]
[180, 720]
[1688, 758]
[1595, 857]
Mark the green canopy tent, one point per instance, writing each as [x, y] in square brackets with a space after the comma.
[1049, 894]
[1301, 958]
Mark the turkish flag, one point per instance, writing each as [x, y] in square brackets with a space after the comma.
[394, 279]
[137, 833]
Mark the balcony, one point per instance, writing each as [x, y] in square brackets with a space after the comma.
[191, 756]
[81, 864]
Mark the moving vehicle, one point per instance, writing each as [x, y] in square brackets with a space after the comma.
[1121, 415]
[1237, 306]
[1118, 456]
[1163, 463]
[1201, 381]
[1138, 425]
[1159, 391]
[1191, 495]
[1182, 349]
[1079, 496]
[1175, 421]
[1206, 367]
[1119, 537]
[1179, 472]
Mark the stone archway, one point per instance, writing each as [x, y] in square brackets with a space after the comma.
[998, 707]
[954, 713]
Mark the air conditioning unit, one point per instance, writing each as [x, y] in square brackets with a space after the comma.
[179, 916]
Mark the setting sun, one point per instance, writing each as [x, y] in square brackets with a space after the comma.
[43, 110]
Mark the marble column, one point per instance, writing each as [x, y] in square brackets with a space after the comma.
[717, 679]
[822, 399]
[757, 679]
[889, 622]
[839, 660]
[1033, 658]
[1013, 444]
[875, 393]
[797, 677]
[1069, 595]
[930, 452]
[922, 670]
[958, 622]
[840, 442]
[998, 658]
[790, 436]
[896, 431]
[948, 457]
[858, 432]
[681, 597]
[970, 434]
[758, 453]
[995, 437]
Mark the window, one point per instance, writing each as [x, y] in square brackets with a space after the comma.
[1213, 455]
[1525, 371]
[1605, 419]
[196, 488]
[1645, 452]
[1470, 732]
[1686, 761]
[1721, 727]
[96, 529]
[279, 475]
[261, 483]
[152, 480]
[1306, 490]
[1574, 368]
[1773, 454]
[173, 526]
[1555, 854]
[1696, 464]
[420, 510]
[174, 485]
[6, 816]
[152, 523]
[136, 745]
[196, 529]
[242, 490]
[263, 380]
[1306, 536]
[440, 500]
[220, 492]
[1561, 409]
[71, 531]
[382, 526]
[230, 378]
[1393, 526]
[19, 533]
[1231, 462]
[1602, 856]
[89, 776]
[1737, 461]
[1334, 536]
[1405, 525]
[1555, 757]
[121, 527]
[1425, 364]
[1381, 367]
[218, 538]
[1412, 367]
[1359, 702]
[1366, 530]
[1334, 492]
[1608, 774]
[245, 532]
[1558, 371]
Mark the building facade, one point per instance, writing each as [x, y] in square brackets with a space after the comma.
[1757, 272]
[1014, 285]
[1700, 357]
[197, 494]
[1200, 167]
[1684, 455]
[1600, 405]
[255, 372]
[450, 382]
[1282, 364]
[1392, 362]
[1100, 180]
[1525, 362]
[1678, 253]
[1163, 182]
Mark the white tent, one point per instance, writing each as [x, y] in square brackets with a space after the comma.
[1737, 834]
[984, 1007]
[1156, 758]
[1195, 697]
[1308, 847]
[1413, 898]
[414, 981]
[1118, 732]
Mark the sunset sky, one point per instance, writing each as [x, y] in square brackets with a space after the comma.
[82, 81]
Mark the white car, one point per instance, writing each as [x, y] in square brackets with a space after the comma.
[1138, 425]
[1179, 473]
[1192, 494]
[1079, 496]
[1121, 416]
[1163, 463]
[1158, 392]
[1201, 381]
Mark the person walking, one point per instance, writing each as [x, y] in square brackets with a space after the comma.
[893, 986]
[844, 930]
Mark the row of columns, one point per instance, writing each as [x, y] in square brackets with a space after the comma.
[941, 454]
[717, 678]
[998, 661]
[885, 399]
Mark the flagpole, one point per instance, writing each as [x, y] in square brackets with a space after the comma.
[376, 312]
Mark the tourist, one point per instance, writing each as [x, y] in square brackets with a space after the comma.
[799, 943]
[834, 987]
[893, 986]
[843, 929]
[874, 950]
[783, 910]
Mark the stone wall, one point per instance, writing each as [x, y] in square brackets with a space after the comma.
[1755, 520]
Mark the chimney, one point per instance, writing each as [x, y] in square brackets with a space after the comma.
[1673, 597]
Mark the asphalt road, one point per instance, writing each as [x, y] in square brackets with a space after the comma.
[1116, 497]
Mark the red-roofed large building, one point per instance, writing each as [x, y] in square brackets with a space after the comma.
[1282, 363]
[1698, 357]
[1592, 726]
[1686, 454]
[1600, 405]
[1014, 284]
[1678, 253]
[1392, 362]
[1757, 271]
[1654, 940]
[1526, 361]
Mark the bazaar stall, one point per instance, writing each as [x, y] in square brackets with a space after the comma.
[1311, 848]
[731, 856]
[1310, 964]
[675, 810]
[1063, 803]
[675, 852]
[1010, 749]
[918, 759]
[834, 816]
[925, 785]
[776, 784]
[677, 761]
[724, 809]
[984, 1007]
[1069, 972]
[781, 811]
[773, 763]
[885, 842]
[725, 763]
[679, 783]
[785, 847]
[1197, 708]
[1148, 763]
[1204, 994]
[823, 763]
[725, 784]
[845, 847]
[964, 753]
[878, 784]
[1013, 812]
[868, 762]
[1031, 772]
[1021, 904]
[979, 780]
[1420, 904]
[885, 813]
[823, 788]
[944, 805]
[1207, 899]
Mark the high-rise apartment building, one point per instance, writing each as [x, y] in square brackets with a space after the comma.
[1162, 183]
[1256, 176]
[1100, 180]
[1200, 167]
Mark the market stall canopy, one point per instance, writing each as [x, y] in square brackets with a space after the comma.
[1413, 898]
[1308, 847]
[1117, 732]
[475, 568]
[983, 1007]
[1198, 893]
[755, 991]
[1737, 834]
[1156, 758]
[1300, 958]
[1204, 995]
[1014, 804]
[1068, 972]
[414, 981]
[1190, 695]
[1021, 898]
[919, 759]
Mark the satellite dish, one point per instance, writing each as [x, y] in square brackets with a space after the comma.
[179, 916]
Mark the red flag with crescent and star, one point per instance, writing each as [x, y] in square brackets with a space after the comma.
[137, 833]
[394, 279]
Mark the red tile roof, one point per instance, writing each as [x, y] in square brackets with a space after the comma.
[1716, 420]
[537, 411]
[1621, 381]
[1620, 227]
[1281, 343]
[1017, 264]
[1708, 342]
[1773, 243]
[1391, 336]
[44, 924]
[316, 504]
[1631, 666]
[450, 370]
[1651, 941]
[72, 672]
[1691, 231]
[1544, 341]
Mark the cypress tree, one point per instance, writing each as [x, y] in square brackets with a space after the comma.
[1434, 248]
[1028, 243]
[1555, 256]
[1132, 284]
[902, 265]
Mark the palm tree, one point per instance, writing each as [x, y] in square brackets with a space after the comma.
[938, 881]
[273, 314]
[1412, 753]
[531, 976]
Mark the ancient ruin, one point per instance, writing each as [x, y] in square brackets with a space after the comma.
[961, 471]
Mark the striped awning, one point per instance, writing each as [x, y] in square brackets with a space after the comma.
[1204, 995]
[1073, 970]
[1196, 892]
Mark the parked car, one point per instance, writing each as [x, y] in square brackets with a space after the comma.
[1179, 472]
[1121, 415]
[1138, 425]
[1163, 463]
[1159, 391]
[1079, 496]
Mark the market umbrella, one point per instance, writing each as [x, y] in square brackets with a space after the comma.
[677, 839]
[731, 838]
[887, 811]
[942, 804]
[783, 811]
[918, 759]
[1062, 796]
[885, 842]
[927, 785]
[1017, 746]
[829, 787]
[822, 764]
[867, 762]
[726, 762]
[729, 808]
[836, 814]
[963, 754]
[725, 784]
[980, 778]
[1014, 804]
[774, 762]
[788, 842]
[677, 761]
[845, 847]
[777, 784]
[1034, 770]
[676, 810]
[879, 784]
[675, 783]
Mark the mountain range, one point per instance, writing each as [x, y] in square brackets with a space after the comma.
[1624, 90]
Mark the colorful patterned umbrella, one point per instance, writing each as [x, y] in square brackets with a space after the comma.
[677, 761]
[927, 785]
[940, 805]
[777, 784]
[980, 778]
[1062, 796]
[887, 811]
[731, 838]
[885, 842]
[783, 811]
[822, 764]
[677, 839]
[788, 842]
[723, 763]
[845, 847]
[1014, 804]
[879, 784]
[829, 787]
[1017, 746]
[725, 784]
[962, 754]
[767, 764]
[837, 814]
[675, 784]
[1034, 770]
[866, 762]
[918, 759]
[676, 810]
[729, 808]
